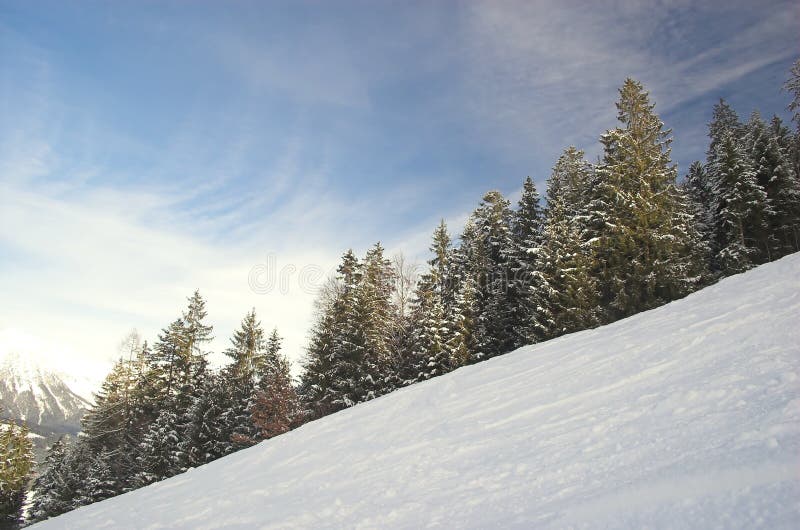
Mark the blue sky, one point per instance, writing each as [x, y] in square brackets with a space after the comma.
[151, 148]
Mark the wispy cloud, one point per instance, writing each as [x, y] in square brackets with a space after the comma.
[549, 70]
[194, 144]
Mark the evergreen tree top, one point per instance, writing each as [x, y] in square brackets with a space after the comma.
[724, 121]
[193, 317]
[792, 86]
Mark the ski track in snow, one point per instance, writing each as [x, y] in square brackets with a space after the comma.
[686, 416]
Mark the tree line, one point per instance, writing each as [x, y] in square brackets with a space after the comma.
[613, 238]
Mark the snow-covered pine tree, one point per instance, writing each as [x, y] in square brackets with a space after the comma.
[49, 487]
[431, 353]
[316, 382]
[724, 123]
[774, 173]
[698, 190]
[792, 86]
[570, 180]
[349, 343]
[566, 293]
[178, 369]
[756, 140]
[527, 233]
[206, 435]
[109, 425]
[249, 351]
[100, 482]
[177, 360]
[193, 364]
[432, 306]
[486, 247]
[462, 318]
[374, 314]
[333, 376]
[166, 361]
[647, 249]
[741, 209]
[159, 455]
[62, 485]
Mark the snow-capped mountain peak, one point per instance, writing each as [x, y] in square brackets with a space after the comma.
[38, 393]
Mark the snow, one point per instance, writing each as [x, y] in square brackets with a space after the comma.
[686, 416]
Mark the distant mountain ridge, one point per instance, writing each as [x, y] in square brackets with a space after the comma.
[39, 396]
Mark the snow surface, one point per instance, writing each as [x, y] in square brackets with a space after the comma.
[684, 416]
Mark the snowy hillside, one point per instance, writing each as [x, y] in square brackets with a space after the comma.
[684, 416]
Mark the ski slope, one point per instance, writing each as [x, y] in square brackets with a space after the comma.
[686, 416]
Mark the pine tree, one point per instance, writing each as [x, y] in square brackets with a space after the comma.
[16, 462]
[741, 208]
[248, 349]
[792, 86]
[349, 343]
[773, 169]
[374, 314]
[646, 247]
[100, 482]
[527, 234]
[250, 352]
[207, 434]
[159, 454]
[109, 425]
[431, 352]
[724, 123]
[698, 189]
[63, 484]
[78, 460]
[50, 497]
[333, 370]
[193, 361]
[274, 406]
[567, 298]
[486, 248]
[565, 291]
[432, 306]
[316, 384]
[462, 346]
[168, 360]
[570, 181]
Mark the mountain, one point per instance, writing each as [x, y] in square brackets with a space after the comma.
[685, 416]
[38, 396]
[35, 388]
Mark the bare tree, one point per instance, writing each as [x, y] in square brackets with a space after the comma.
[405, 282]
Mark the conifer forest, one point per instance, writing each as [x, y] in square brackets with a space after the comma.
[607, 238]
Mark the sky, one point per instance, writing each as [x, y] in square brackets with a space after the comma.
[148, 149]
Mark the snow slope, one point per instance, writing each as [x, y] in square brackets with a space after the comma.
[684, 416]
